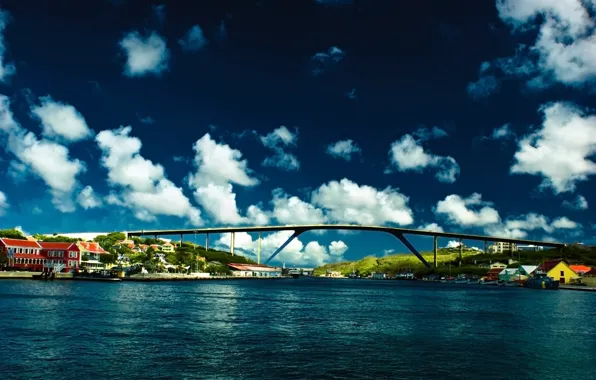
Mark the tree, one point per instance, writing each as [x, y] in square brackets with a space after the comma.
[3, 259]
[12, 233]
[55, 238]
[109, 258]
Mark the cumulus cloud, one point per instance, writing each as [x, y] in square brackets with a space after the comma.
[322, 61]
[503, 132]
[347, 202]
[293, 210]
[61, 120]
[88, 199]
[579, 203]
[294, 254]
[144, 54]
[343, 149]
[564, 49]
[218, 168]
[408, 154]
[143, 185]
[6, 69]
[278, 140]
[193, 40]
[47, 160]
[486, 84]
[434, 227]
[3, 203]
[474, 212]
[560, 151]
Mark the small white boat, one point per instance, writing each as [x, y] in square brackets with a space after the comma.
[489, 282]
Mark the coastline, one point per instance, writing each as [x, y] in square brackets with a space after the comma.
[152, 277]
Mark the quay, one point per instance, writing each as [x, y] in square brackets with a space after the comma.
[580, 288]
[141, 277]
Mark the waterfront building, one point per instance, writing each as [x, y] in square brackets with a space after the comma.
[378, 276]
[253, 270]
[22, 254]
[493, 274]
[509, 274]
[529, 248]
[558, 270]
[589, 278]
[68, 254]
[90, 253]
[497, 265]
[527, 269]
[580, 269]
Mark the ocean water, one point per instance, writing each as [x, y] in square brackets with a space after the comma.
[293, 329]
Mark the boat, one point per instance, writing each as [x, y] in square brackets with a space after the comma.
[501, 283]
[513, 283]
[461, 279]
[488, 282]
[539, 280]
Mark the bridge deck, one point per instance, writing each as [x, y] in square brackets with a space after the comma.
[348, 227]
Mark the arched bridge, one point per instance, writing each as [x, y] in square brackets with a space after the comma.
[399, 233]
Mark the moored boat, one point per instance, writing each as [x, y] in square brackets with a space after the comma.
[513, 283]
[539, 280]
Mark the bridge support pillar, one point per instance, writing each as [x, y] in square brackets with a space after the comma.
[409, 245]
[435, 248]
[259, 249]
[485, 247]
[296, 233]
[232, 238]
[207, 242]
[181, 239]
[461, 250]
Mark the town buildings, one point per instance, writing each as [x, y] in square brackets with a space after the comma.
[501, 247]
[90, 253]
[558, 270]
[65, 256]
[253, 270]
[23, 254]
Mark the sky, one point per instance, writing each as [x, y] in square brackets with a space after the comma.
[121, 115]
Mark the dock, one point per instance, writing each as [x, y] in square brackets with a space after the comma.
[580, 288]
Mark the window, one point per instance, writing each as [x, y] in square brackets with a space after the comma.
[72, 255]
[562, 273]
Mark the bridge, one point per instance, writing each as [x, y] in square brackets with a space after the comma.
[399, 233]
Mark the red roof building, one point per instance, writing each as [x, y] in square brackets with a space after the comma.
[90, 255]
[580, 269]
[22, 254]
[68, 254]
[493, 274]
[253, 270]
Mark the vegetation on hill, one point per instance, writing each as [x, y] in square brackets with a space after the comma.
[448, 261]
[12, 233]
[55, 238]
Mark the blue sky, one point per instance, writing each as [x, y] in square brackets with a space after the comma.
[117, 115]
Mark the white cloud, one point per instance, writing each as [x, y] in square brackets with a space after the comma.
[580, 203]
[88, 199]
[347, 202]
[3, 203]
[343, 149]
[219, 167]
[407, 154]
[143, 184]
[294, 254]
[277, 141]
[474, 212]
[560, 151]
[292, 210]
[434, 227]
[424, 134]
[61, 120]
[144, 55]
[48, 160]
[564, 50]
[453, 244]
[322, 61]
[257, 215]
[6, 69]
[503, 132]
[470, 211]
[193, 40]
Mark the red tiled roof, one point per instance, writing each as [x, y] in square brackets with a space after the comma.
[592, 272]
[549, 264]
[92, 247]
[57, 245]
[7, 242]
[580, 268]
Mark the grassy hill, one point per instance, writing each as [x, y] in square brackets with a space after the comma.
[470, 258]
[393, 264]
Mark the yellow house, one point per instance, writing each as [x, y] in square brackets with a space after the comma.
[558, 270]
[167, 247]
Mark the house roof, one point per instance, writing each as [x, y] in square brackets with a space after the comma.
[592, 272]
[549, 264]
[529, 268]
[509, 271]
[57, 245]
[17, 243]
[252, 267]
[92, 247]
[580, 268]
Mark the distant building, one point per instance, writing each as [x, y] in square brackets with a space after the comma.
[253, 270]
[90, 256]
[497, 265]
[68, 254]
[589, 278]
[378, 276]
[527, 269]
[580, 269]
[529, 248]
[558, 270]
[501, 247]
[167, 247]
[23, 254]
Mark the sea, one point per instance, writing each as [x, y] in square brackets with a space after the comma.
[307, 328]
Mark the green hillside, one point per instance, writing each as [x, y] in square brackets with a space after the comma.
[393, 264]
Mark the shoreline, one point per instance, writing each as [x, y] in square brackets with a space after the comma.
[135, 278]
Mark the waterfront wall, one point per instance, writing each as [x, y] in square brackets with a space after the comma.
[29, 275]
